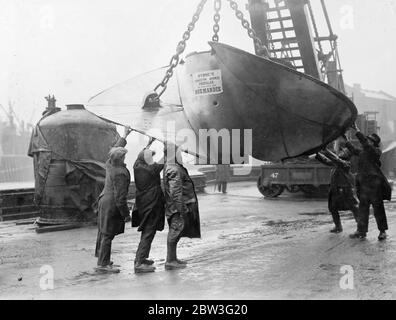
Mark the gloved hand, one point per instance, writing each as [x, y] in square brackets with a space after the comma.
[127, 131]
[152, 139]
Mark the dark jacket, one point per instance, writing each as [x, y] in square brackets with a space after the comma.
[341, 196]
[369, 165]
[113, 207]
[149, 195]
[341, 175]
[181, 198]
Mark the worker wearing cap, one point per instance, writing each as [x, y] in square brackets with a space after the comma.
[371, 185]
[341, 195]
[149, 205]
[112, 204]
[181, 207]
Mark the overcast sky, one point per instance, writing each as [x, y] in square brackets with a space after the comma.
[76, 48]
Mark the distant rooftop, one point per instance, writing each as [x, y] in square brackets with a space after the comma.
[380, 95]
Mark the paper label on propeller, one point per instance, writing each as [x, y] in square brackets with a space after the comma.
[207, 83]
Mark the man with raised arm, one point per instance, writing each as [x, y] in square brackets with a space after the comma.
[341, 195]
[150, 205]
[371, 185]
[181, 205]
[112, 204]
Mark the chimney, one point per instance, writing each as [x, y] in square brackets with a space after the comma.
[51, 102]
[51, 106]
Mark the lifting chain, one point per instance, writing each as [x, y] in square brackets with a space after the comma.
[269, 37]
[179, 50]
[216, 18]
[261, 49]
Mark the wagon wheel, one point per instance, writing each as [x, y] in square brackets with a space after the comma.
[294, 189]
[310, 190]
[324, 189]
[271, 191]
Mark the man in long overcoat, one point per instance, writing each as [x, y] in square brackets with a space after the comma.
[371, 185]
[341, 195]
[112, 205]
[181, 205]
[150, 205]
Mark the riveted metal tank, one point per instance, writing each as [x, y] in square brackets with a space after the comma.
[70, 148]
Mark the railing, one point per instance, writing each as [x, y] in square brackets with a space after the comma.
[16, 168]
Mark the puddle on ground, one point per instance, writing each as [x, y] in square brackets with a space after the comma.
[281, 223]
[89, 276]
[314, 214]
[295, 224]
[329, 266]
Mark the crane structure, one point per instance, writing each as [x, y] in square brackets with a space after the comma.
[288, 28]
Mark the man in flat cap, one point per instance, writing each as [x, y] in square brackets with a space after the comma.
[149, 205]
[112, 205]
[181, 207]
[372, 187]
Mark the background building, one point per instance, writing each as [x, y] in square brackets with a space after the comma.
[378, 104]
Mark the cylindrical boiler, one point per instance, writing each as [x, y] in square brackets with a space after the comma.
[70, 148]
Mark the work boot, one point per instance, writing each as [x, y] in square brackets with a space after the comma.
[144, 268]
[107, 269]
[149, 262]
[174, 265]
[358, 235]
[171, 254]
[382, 236]
[111, 264]
[181, 261]
[337, 229]
[337, 222]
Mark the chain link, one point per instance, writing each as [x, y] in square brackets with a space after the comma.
[269, 38]
[181, 46]
[216, 18]
[261, 49]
